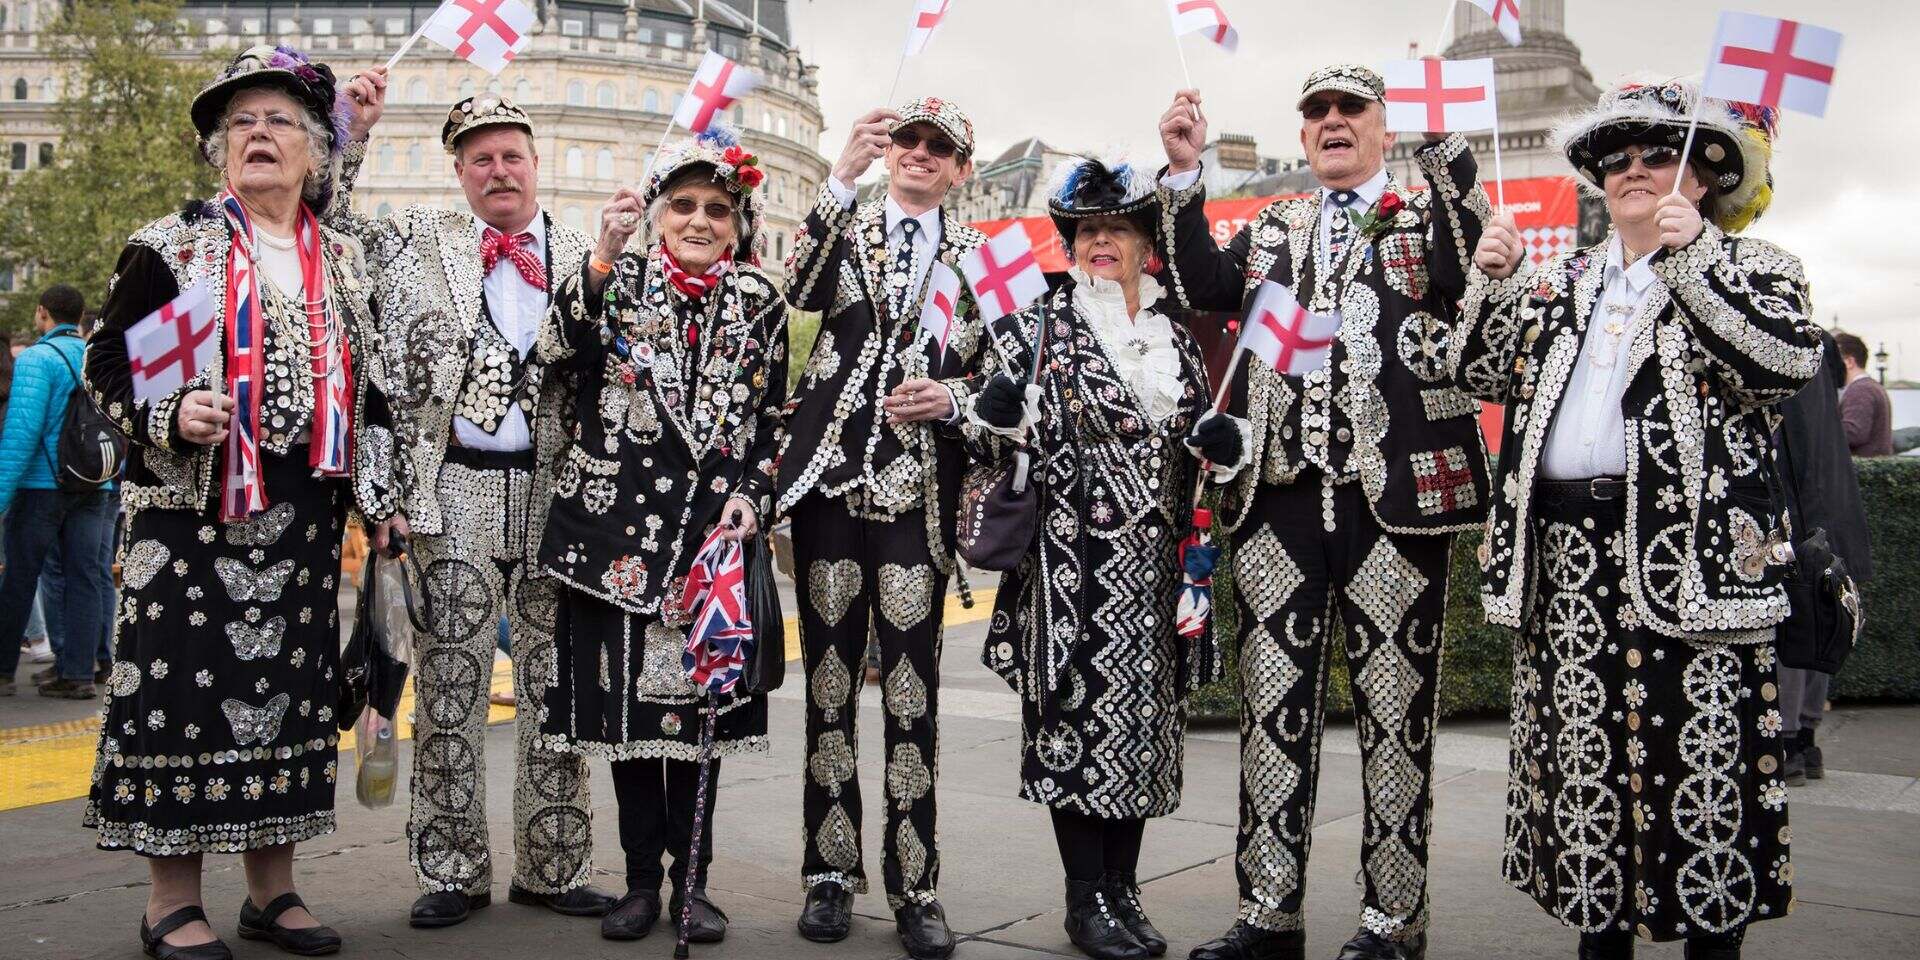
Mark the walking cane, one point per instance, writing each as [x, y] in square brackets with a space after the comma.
[680, 951]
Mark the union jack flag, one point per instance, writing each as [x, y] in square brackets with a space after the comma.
[721, 639]
[243, 493]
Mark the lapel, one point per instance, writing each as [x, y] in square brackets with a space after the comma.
[870, 246]
[460, 259]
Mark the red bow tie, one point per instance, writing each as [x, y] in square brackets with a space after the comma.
[517, 248]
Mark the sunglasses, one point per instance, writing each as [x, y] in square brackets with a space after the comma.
[1350, 106]
[1653, 158]
[938, 146]
[685, 206]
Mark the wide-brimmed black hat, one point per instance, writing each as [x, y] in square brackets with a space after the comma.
[1085, 187]
[310, 83]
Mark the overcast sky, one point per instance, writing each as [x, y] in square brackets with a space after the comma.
[1095, 74]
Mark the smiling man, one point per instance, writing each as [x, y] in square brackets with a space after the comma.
[870, 474]
[1357, 475]
[461, 294]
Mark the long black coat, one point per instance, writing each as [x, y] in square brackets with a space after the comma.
[1816, 468]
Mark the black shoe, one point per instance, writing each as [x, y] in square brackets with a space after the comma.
[706, 923]
[1367, 945]
[923, 931]
[151, 940]
[1123, 897]
[1096, 927]
[632, 916]
[64, 689]
[1725, 946]
[828, 915]
[1248, 942]
[446, 908]
[1794, 768]
[258, 924]
[1610, 945]
[581, 901]
[1816, 764]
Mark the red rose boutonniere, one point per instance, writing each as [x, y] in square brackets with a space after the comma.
[1379, 219]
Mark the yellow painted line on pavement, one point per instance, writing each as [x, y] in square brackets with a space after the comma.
[50, 762]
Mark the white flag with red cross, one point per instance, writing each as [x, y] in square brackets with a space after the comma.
[1004, 274]
[716, 85]
[1506, 17]
[1280, 331]
[927, 17]
[167, 347]
[486, 33]
[1441, 96]
[942, 306]
[1203, 17]
[1772, 62]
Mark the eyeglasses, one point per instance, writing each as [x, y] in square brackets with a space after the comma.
[1318, 108]
[277, 123]
[938, 146]
[685, 206]
[1653, 158]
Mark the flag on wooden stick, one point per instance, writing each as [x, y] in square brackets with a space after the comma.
[486, 33]
[1506, 17]
[1203, 17]
[1770, 62]
[927, 17]
[716, 86]
[1442, 96]
[171, 344]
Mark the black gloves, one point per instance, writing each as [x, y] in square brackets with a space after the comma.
[1216, 438]
[1002, 403]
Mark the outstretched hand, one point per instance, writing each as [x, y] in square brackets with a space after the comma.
[1183, 132]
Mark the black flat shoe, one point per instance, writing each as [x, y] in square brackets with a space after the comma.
[1123, 895]
[1724, 946]
[1367, 945]
[153, 943]
[445, 908]
[632, 916]
[828, 915]
[581, 901]
[1095, 927]
[1244, 941]
[706, 923]
[923, 931]
[258, 924]
[1611, 945]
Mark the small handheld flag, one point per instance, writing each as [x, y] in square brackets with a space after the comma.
[716, 86]
[1506, 17]
[1771, 62]
[927, 17]
[486, 33]
[1004, 274]
[943, 303]
[1206, 18]
[167, 347]
[1280, 331]
[1439, 95]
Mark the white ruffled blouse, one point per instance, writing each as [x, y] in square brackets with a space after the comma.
[1141, 346]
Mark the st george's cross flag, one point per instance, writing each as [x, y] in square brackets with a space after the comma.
[716, 85]
[1506, 17]
[1439, 95]
[943, 303]
[486, 33]
[1203, 17]
[1280, 331]
[927, 17]
[1773, 63]
[1004, 274]
[171, 344]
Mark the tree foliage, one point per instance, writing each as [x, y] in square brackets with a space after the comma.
[127, 155]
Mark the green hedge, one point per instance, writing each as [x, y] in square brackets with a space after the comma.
[1478, 661]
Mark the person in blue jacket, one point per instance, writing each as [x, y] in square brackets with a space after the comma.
[38, 514]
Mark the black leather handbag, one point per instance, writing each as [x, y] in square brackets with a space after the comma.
[768, 668]
[1823, 619]
[999, 502]
[356, 659]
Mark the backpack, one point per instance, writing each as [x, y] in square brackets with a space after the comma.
[92, 450]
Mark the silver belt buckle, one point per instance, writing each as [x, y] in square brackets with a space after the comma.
[1593, 487]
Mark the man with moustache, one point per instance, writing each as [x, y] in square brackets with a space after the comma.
[461, 294]
[869, 472]
[1357, 475]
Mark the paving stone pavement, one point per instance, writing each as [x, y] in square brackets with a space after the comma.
[1856, 851]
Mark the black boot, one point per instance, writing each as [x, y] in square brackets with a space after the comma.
[1244, 941]
[1793, 766]
[1816, 764]
[1367, 945]
[1123, 896]
[1094, 926]
[1607, 945]
[1720, 946]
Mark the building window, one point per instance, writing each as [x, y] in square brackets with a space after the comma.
[650, 101]
[576, 93]
[604, 95]
[574, 217]
[576, 162]
[397, 26]
[780, 124]
[19, 156]
[383, 158]
[766, 121]
[383, 210]
[573, 28]
[46, 154]
[322, 26]
[644, 35]
[360, 26]
[779, 246]
[214, 25]
[523, 90]
[251, 26]
[677, 41]
[603, 164]
[739, 116]
[287, 26]
[20, 89]
[3, 18]
[676, 100]
[607, 31]
[466, 88]
[416, 159]
[6, 279]
[416, 90]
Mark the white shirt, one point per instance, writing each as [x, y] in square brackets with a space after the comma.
[926, 240]
[1369, 195]
[278, 259]
[1589, 433]
[516, 308]
[1141, 346]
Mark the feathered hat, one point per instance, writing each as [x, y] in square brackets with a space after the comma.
[1734, 142]
[732, 167]
[1085, 186]
[310, 84]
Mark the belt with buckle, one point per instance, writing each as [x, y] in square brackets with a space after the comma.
[1597, 488]
[490, 459]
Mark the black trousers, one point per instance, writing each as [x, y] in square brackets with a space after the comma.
[656, 799]
[1091, 847]
[855, 570]
[1304, 555]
